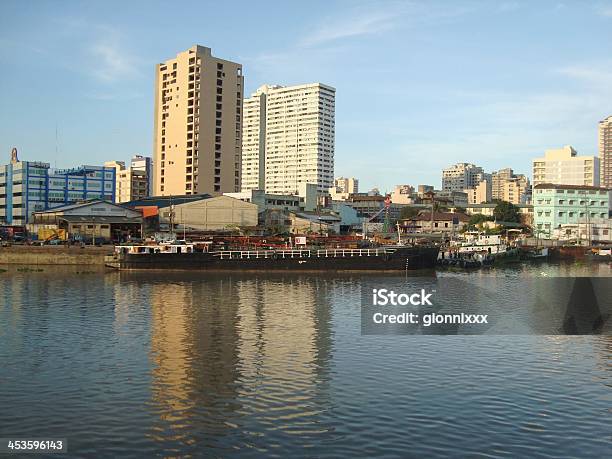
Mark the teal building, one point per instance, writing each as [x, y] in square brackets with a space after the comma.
[557, 205]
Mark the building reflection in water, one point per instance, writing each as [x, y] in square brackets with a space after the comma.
[239, 361]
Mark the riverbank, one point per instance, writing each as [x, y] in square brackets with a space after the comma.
[53, 255]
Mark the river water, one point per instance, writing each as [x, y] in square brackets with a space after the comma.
[186, 364]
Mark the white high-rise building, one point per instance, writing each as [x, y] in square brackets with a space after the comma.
[564, 167]
[461, 176]
[288, 138]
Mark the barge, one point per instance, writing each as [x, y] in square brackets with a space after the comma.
[189, 257]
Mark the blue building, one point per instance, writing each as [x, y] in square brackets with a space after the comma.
[32, 186]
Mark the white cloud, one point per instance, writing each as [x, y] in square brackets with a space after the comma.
[110, 61]
[605, 11]
[363, 23]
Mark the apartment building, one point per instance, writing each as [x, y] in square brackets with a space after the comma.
[197, 124]
[563, 166]
[462, 176]
[131, 182]
[144, 164]
[32, 186]
[479, 194]
[403, 194]
[510, 187]
[343, 188]
[556, 205]
[605, 152]
[289, 138]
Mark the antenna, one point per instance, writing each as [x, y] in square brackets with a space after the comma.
[56, 145]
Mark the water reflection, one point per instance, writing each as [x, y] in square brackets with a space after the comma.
[226, 350]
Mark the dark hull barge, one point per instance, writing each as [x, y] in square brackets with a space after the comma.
[381, 259]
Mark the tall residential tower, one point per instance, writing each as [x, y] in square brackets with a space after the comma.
[289, 136]
[198, 121]
[605, 152]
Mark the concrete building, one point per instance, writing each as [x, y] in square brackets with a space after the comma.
[480, 193]
[289, 137]
[605, 152]
[200, 212]
[347, 185]
[441, 222]
[198, 124]
[403, 194]
[144, 164]
[372, 208]
[446, 198]
[461, 176]
[510, 187]
[133, 182]
[343, 188]
[32, 186]
[563, 166]
[555, 205]
[305, 200]
[593, 233]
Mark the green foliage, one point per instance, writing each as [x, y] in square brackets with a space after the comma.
[477, 219]
[408, 212]
[506, 212]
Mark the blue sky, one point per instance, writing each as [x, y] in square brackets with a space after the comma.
[420, 85]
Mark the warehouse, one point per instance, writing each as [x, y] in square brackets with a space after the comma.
[99, 220]
[201, 212]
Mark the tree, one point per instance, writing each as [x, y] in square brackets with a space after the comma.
[476, 219]
[506, 212]
[408, 212]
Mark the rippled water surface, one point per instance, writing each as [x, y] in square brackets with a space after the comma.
[182, 364]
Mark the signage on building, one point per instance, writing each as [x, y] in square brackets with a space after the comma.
[300, 240]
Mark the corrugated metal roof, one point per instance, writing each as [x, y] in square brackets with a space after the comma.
[99, 219]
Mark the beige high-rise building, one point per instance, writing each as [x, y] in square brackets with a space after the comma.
[289, 137]
[198, 124]
[479, 194]
[605, 152]
[563, 166]
[510, 187]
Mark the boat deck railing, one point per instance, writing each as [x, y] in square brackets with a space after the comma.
[327, 253]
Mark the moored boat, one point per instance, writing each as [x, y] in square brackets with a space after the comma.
[189, 256]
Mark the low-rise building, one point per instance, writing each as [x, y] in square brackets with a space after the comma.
[440, 222]
[373, 208]
[583, 233]
[200, 212]
[305, 200]
[99, 220]
[315, 222]
[557, 205]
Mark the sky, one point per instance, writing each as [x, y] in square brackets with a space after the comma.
[420, 85]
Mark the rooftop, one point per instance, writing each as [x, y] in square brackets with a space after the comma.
[553, 186]
[167, 201]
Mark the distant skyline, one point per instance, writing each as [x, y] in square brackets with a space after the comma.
[420, 85]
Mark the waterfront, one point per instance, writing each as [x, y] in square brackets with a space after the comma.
[167, 364]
